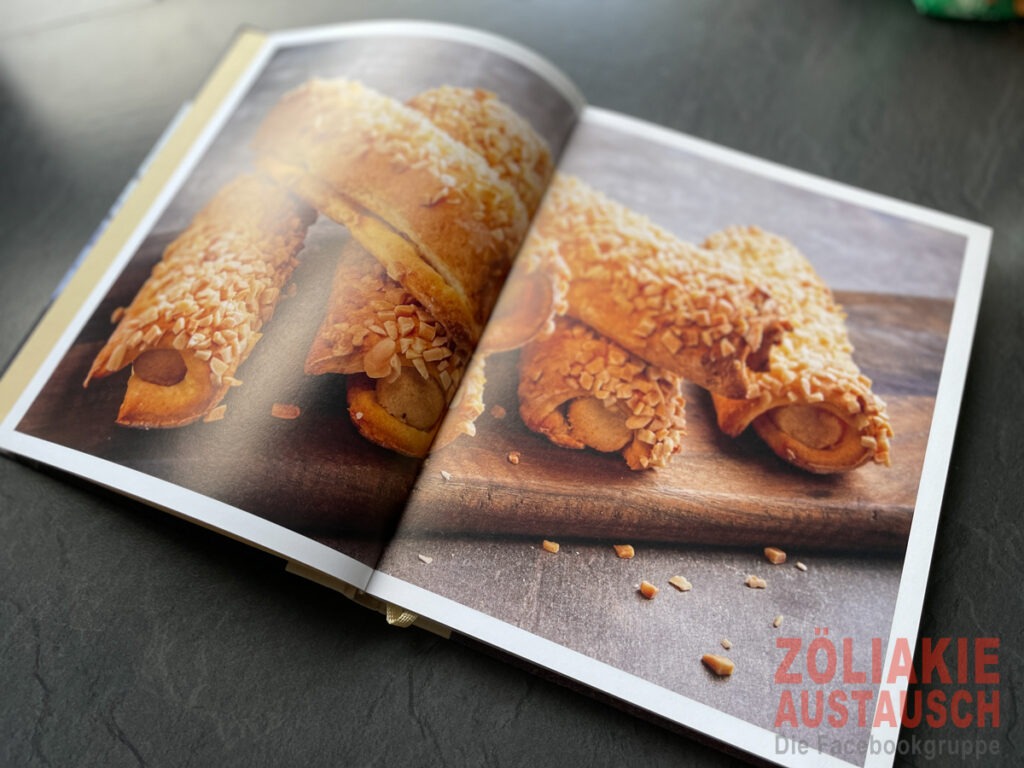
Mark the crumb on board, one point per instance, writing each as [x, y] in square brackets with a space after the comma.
[726, 643]
[427, 559]
[513, 457]
[216, 414]
[498, 412]
[625, 551]
[681, 583]
[756, 582]
[285, 411]
[777, 622]
[774, 555]
[720, 665]
[550, 546]
[800, 566]
[446, 475]
[648, 590]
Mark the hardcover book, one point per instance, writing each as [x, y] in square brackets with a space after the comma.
[667, 420]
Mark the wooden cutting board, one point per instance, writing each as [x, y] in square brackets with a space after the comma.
[318, 476]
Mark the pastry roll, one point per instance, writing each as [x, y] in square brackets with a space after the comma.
[432, 211]
[492, 129]
[403, 367]
[196, 318]
[584, 391]
[812, 405]
[679, 307]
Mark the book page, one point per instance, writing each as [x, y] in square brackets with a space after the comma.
[729, 442]
[329, 208]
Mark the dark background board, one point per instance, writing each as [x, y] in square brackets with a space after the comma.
[128, 637]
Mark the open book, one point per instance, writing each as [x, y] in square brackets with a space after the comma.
[391, 303]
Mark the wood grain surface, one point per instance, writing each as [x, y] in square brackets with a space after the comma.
[316, 474]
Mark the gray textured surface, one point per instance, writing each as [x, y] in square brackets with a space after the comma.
[128, 638]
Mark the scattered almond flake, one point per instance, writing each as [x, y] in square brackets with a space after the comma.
[216, 414]
[550, 546]
[681, 583]
[446, 475]
[720, 665]
[756, 582]
[648, 590]
[726, 643]
[513, 457]
[801, 567]
[625, 551]
[425, 559]
[498, 412]
[778, 621]
[774, 555]
[285, 411]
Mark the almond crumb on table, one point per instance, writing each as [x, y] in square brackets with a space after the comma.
[801, 567]
[756, 582]
[513, 457]
[550, 546]
[426, 559]
[498, 412]
[778, 621]
[681, 583]
[720, 665]
[285, 411]
[774, 555]
[445, 475]
[648, 590]
[726, 643]
[624, 551]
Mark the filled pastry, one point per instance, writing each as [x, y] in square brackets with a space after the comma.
[404, 365]
[682, 308]
[811, 404]
[199, 314]
[581, 390]
[430, 209]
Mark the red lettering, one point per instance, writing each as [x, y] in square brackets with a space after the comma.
[902, 662]
[937, 712]
[876, 660]
[805, 707]
[960, 720]
[849, 675]
[837, 703]
[933, 660]
[961, 661]
[911, 721]
[885, 712]
[782, 675]
[817, 675]
[862, 696]
[986, 706]
[786, 712]
[982, 660]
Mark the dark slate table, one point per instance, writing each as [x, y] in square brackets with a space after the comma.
[128, 637]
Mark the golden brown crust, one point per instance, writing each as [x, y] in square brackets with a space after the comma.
[216, 285]
[675, 305]
[488, 126]
[581, 390]
[812, 405]
[441, 221]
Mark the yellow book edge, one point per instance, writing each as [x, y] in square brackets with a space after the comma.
[137, 203]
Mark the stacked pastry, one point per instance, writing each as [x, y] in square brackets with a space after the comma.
[436, 195]
[644, 311]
